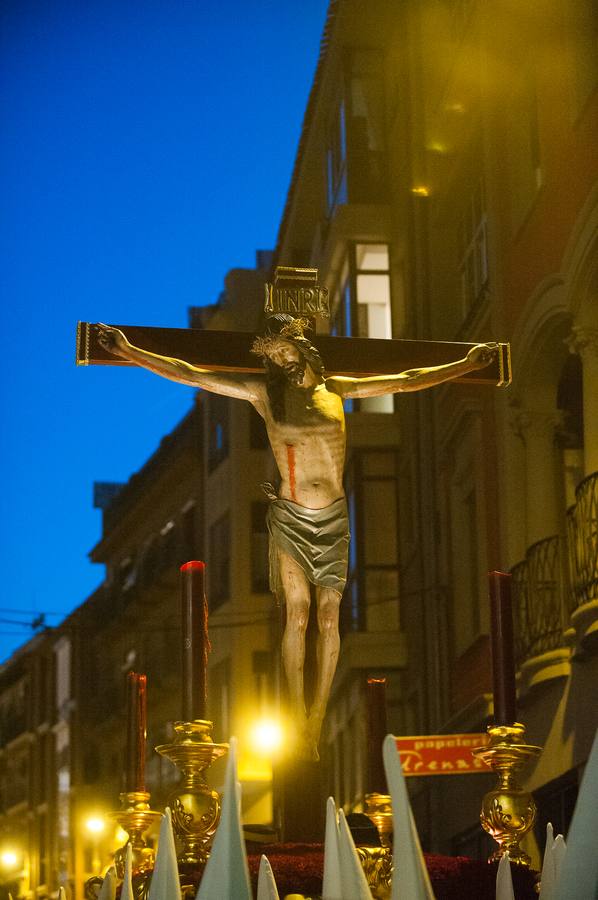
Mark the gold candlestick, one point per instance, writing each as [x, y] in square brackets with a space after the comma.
[195, 808]
[376, 862]
[135, 817]
[508, 812]
[378, 808]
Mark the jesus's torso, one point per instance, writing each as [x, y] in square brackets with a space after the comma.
[309, 445]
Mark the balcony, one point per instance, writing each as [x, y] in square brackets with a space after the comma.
[555, 594]
[582, 543]
[540, 614]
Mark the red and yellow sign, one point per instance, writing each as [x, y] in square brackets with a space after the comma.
[441, 754]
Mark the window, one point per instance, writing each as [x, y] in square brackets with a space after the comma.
[373, 581]
[336, 160]
[362, 307]
[259, 548]
[218, 430]
[355, 156]
[467, 536]
[472, 248]
[219, 571]
[63, 672]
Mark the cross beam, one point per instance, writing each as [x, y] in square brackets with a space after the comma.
[230, 351]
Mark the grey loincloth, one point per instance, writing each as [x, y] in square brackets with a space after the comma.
[317, 539]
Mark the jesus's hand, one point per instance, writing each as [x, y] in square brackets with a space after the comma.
[482, 355]
[112, 339]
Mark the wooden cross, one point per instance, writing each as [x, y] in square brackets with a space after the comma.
[230, 351]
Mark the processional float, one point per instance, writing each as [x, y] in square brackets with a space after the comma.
[508, 812]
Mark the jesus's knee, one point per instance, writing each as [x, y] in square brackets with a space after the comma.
[328, 617]
[297, 613]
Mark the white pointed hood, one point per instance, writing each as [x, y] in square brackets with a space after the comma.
[579, 870]
[413, 882]
[266, 884]
[226, 876]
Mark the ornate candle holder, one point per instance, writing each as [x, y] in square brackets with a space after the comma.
[378, 808]
[195, 807]
[376, 862]
[508, 812]
[135, 817]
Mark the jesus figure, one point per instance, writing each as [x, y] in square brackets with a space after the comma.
[302, 408]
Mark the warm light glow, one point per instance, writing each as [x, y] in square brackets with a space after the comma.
[9, 859]
[95, 824]
[420, 191]
[267, 736]
[121, 837]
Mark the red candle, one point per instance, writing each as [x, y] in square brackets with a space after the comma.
[136, 731]
[194, 610]
[503, 661]
[377, 731]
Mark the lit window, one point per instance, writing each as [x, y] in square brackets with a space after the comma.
[362, 308]
[373, 306]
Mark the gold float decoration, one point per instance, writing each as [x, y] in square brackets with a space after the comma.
[508, 812]
[135, 817]
[376, 862]
[195, 807]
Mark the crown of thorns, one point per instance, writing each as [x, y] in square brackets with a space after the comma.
[282, 327]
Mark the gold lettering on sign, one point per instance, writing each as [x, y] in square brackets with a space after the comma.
[297, 301]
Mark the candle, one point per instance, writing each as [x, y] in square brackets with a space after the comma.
[194, 609]
[503, 664]
[136, 731]
[377, 730]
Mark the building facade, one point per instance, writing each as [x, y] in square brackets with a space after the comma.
[445, 185]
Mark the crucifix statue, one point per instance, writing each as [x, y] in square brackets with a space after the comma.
[301, 404]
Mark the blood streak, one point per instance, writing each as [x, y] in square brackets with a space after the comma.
[291, 462]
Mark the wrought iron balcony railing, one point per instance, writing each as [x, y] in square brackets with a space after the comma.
[538, 595]
[582, 541]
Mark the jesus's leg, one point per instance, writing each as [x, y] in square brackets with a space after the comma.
[327, 651]
[296, 593]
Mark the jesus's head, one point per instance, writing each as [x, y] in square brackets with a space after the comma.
[285, 347]
[286, 354]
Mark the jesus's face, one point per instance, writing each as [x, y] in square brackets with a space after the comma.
[289, 359]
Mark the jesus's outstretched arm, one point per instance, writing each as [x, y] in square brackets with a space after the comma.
[413, 379]
[240, 386]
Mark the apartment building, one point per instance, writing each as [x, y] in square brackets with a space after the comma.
[445, 186]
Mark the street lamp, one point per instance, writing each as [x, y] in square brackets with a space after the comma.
[267, 736]
[12, 869]
[95, 826]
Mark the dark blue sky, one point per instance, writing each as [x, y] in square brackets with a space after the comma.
[146, 148]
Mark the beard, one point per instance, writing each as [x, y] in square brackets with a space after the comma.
[295, 373]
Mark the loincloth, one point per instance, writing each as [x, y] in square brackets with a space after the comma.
[317, 539]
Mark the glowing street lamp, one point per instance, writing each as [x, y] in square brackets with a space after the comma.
[95, 825]
[267, 736]
[9, 859]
